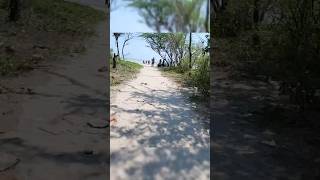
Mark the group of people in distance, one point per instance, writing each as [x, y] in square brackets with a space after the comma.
[148, 62]
[162, 63]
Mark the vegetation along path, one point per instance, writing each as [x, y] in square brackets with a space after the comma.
[45, 114]
[155, 132]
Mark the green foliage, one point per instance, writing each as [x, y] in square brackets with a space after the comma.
[174, 46]
[170, 45]
[10, 65]
[3, 4]
[7, 65]
[284, 46]
[200, 75]
[125, 70]
[56, 19]
[237, 17]
[182, 68]
[155, 13]
[57, 16]
[174, 16]
[62, 16]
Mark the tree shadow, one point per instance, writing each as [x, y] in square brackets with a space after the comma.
[241, 148]
[77, 83]
[29, 151]
[175, 144]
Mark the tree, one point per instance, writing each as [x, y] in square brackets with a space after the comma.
[275, 39]
[112, 4]
[207, 20]
[169, 45]
[190, 52]
[217, 6]
[156, 42]
[188, 15]
[174, 16]
[206, 49]
[155, 13]
[14, 10]
[176, 44]
[128, 37]
[116, 36]
[114, 60]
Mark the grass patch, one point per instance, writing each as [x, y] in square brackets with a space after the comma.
[198, 77]
[62, 16]
[11, 66]
[173, 73]
[7, 65]
[55, 15]
[125, 70]
[56, 25]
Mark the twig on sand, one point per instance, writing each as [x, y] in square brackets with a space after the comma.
[98, 127]
[44, 130]
[10, 90]
[11, 166]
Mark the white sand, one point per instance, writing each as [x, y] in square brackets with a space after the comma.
[157, 135]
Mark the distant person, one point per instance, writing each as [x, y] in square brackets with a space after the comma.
[163, 65]
[159, 64]
[152, 61]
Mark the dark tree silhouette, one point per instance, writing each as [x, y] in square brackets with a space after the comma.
[114, 61]
[128, 37]
[14, 10]
[190, 53]
[116, 36]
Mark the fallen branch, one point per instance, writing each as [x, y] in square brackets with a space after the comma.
[11, 166]
[98, 127]
[49, 132]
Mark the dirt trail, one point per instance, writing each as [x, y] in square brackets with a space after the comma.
[44, 125]
[158, 135]
[245, 148]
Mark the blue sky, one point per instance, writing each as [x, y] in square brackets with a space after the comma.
[126, 19]
[137, 49]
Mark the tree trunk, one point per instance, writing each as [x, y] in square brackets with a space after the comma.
[190, 53]
[124, 45]
[122, 52]
[117, 46]
[256, 13]
[114, 61]
[206, 23]
[14, 10]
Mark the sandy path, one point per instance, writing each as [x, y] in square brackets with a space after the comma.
[47, 130]
[158, 135]
[243, 146]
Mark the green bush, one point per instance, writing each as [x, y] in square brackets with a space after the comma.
[125, 70]
[56, 15]
[200, 75]
[285, 49]
[62, 16]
